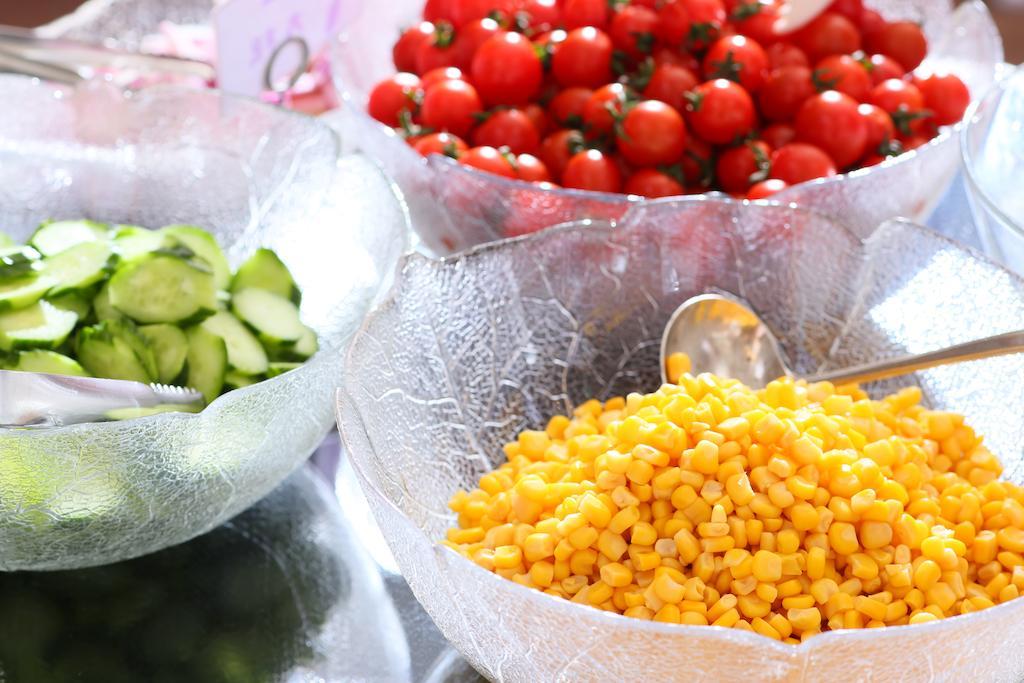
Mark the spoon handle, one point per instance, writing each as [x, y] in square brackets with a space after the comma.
[999, 345]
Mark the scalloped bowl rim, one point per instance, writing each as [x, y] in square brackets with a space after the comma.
[612, 620]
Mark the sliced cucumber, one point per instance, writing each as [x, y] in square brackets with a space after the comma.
[206, 248]
[207, 362]
[54, 237]
[77, 302]
[104, 309]
[276, 369]
[245, 353]
[264, 270]
[170, 346]
[307, 345]
[47, 362]
[78, 267]
[111, 350]
[236, 380]
[163, 288]
[275, 319]
[122, 414]
[17, 262]
[132, 241]
[23, 291]
[41, 325]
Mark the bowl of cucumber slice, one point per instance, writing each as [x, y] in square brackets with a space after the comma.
[184, 238]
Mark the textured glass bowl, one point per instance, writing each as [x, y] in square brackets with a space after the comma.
[254, 176]
[469, 351]
[475, 207]
[993, 155]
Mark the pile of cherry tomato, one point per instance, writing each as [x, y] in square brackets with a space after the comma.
[662, 97]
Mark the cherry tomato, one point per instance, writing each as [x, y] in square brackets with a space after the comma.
[632, 30]
[471, 37]
[737, 58]
[438, 10]
[946, 96]
[778, 134]
[880, 126]
[831, 122]
[673, 23]
[882, 68]
[583, 59]
[539, 117]
[707, 17]
[652, 183]
[451, 106]
[698, 164]
[851, 9]
[598, 118]
[799, 162]
[408, 46]
[785, 91]
[506, 70]
[465, 12]
[766, 188]
[829, 34]
[392, 96]
[670, 83]
[740, 167]
[903, 41]
[446, 73]
[845, 74]
[914, 141]
[566, 108]
[543, 15]
[580, 13]
[786, 54]
[558, 148]
[488, 159]
[871, 24]
[756, 20]
[902, 100]
[531, 169]
[652, 133]
[510, 128]
[721, 111]
[592, 169]
[437, 52]
[441, 143]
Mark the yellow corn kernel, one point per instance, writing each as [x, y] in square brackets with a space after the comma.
[875, 534]
[508, 557]
[677, 365]
[804, 619]
[926, 575]
[767, 567]
[538, 547]
[843, 538]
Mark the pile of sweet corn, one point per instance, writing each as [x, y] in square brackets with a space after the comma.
[788, 511]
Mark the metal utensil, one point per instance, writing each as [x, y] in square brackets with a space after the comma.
[29, 399]
[723, 336]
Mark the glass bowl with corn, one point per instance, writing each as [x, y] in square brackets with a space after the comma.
[563, 516]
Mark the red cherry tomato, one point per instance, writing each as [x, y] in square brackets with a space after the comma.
[914, 141]
[408, 46]
[441, 143]
[721, 111]
[558, 148]
[799, 162]
[707, 17]
[392, 96]
[766, 188]
[439, 51]
[880, 126]
[539, 118]
[583, 59]
[871, 23]
[756, 20]
[592, 169]
[845, 74]
[652, 133]
[543, 15]
[652, 183]
[698, 163]
[598, 118]
[451, 106]
[447, 73]
[632, 30]
[506, 70]
[437, 10]
[740, 167]
[531, 169]
[737, 58]
[488, 159]
[851, 9]
[786, 54]
[829, 34]
[670, 83]
[580, 13]
[785, 91]
[895, 94]
[471, 36]
[778, 134]
[673, 23]
[566, 108]
[946, 96]
[831, 122]
[903, 41]
[510, 128]
[882, 68]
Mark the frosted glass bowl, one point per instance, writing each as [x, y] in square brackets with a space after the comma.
[454, 208]
[468, 351]
[253, 175]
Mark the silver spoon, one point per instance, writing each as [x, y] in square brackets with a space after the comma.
[723, 336]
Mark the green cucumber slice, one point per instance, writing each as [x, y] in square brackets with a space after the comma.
[79, 267]
[122, 414]
[170, 347]
[104, 309]
[264, 270]
[54, 237]
[23, 291]
[236, 380]
[307, 345]
[206, 248]
[245, 353]
[47, 362]
[132, 241]
[207, 362]
[41, 325]
[76, 302]
[112, 349]
[276, 369]
[163, 288]
[17, 262]
[275, 319]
